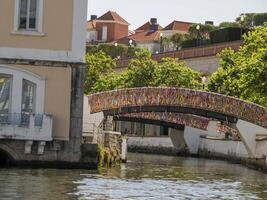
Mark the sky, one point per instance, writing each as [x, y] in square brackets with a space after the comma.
[137, 12]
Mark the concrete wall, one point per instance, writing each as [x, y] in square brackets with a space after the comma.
[90, 119]
[206, 65]
[223, 147]
[192, 138]
[158, 142]
[174, 143]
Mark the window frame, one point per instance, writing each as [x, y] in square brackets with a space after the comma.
[38, 31]
[34, 85]
[28, 12]
[10, 77]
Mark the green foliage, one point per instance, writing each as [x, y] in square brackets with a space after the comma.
[176, 74]
[229, 24]
[142, 72]
[244, 73]
[177, 39]
[114, 51]
[97, 64]
[226, 34]
[166, 43]
[109, 81]
[252, 19]
[202, 33]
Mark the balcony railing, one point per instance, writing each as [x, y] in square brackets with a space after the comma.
[26, 126]
[21, 119]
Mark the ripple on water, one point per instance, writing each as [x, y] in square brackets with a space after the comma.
[113, 188]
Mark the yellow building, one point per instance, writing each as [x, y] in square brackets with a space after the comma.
[42, 47]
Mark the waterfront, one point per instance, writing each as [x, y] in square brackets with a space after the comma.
[143, 177]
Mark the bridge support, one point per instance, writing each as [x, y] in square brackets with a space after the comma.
[248, 133]
[192, 138]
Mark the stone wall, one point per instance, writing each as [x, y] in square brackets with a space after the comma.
[188, 101]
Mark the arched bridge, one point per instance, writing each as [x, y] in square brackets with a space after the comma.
[170, 119]
[177, 100]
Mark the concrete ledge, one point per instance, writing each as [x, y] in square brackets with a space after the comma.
[257, 164]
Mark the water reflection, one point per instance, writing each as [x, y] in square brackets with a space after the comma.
[143, 177]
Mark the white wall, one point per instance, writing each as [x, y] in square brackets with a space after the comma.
[35, 133]
[192, 138]
[91, 36]
[150, 142]
[89, 119]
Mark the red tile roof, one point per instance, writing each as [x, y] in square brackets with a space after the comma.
[146, 27]
[113, 16]
[178, 26]
[144, 36]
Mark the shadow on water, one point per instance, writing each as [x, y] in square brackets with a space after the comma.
[5, 159]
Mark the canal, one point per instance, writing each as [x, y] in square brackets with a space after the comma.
[144, 177]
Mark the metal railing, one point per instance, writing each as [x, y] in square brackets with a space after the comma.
[21, 119]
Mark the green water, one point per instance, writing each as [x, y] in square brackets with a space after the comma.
[144, 177]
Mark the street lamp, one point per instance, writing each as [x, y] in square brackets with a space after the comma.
[198, 28]
[116, 52]
[160, 48]
[130, 43]
[204, 81]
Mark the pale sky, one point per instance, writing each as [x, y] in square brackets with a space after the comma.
[137, 12]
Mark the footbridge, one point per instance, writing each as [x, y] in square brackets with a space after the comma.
[184, 107]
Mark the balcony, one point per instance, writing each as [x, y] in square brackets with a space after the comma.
[26, 127]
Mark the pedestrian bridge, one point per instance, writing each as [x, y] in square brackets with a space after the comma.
[177, 100]
[186, 107]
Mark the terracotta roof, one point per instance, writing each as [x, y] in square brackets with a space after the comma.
[91, 24]
[146, 27]
[113, 16]
[178, 26]
[144, 36]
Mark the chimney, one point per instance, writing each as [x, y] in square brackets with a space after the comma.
[209, 22]
[153, 25]
[153, 21]
[93, 17]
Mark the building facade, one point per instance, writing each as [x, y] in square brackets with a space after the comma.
[41, 78]
[106, 28]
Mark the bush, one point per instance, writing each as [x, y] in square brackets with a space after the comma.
[227, 34]
[195, 43]
[112, 50]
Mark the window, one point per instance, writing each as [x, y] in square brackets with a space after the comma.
[28, 97]
[5, 92]
[28, 14]
[104, 33]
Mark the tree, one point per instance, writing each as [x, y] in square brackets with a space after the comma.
[97, 64]
[202, 33]
[243, 74]
[251, 19]
[141, 70]
[166, 43]
[175, 73]
[177, 40]
[229, 24]
[109, 81]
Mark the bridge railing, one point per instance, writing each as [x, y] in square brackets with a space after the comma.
[192, 100]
